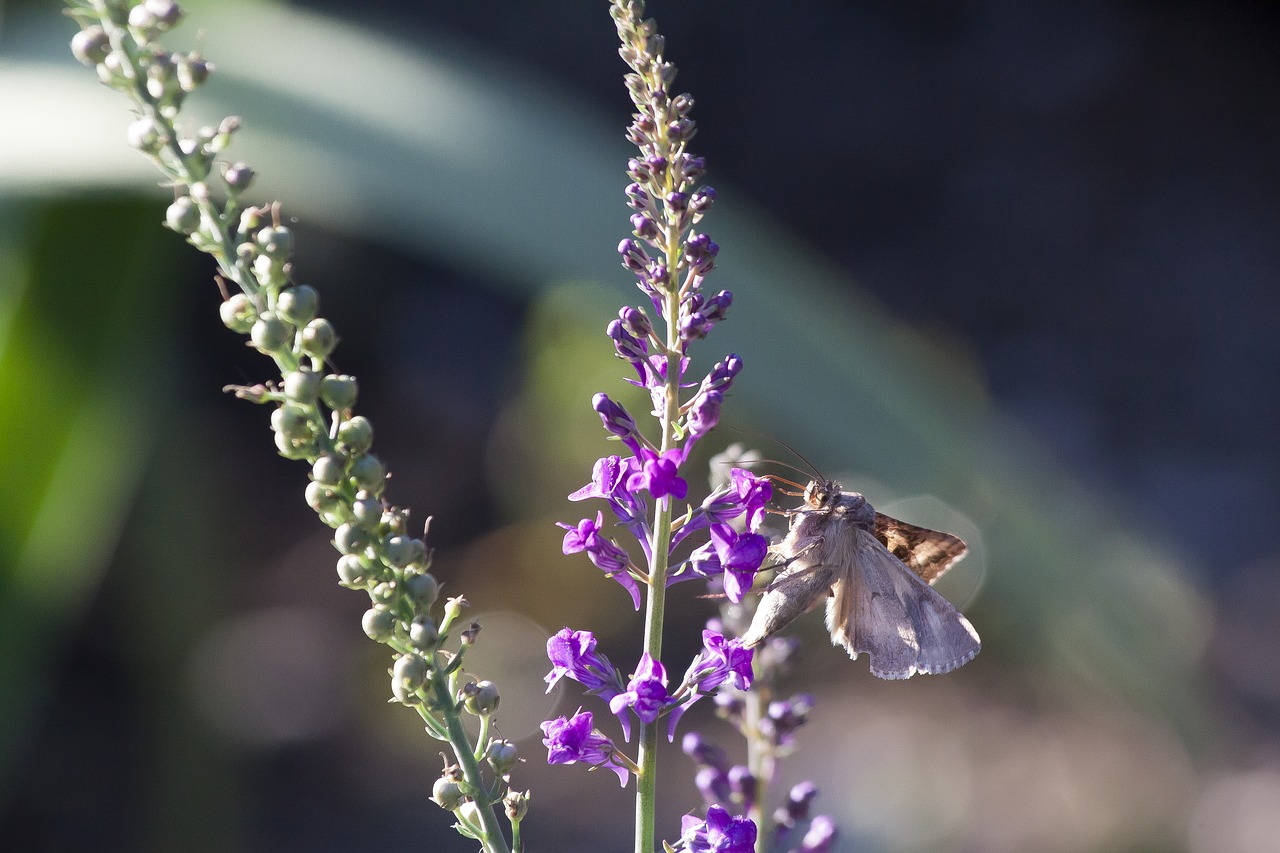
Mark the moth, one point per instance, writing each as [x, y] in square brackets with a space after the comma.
[874, 573]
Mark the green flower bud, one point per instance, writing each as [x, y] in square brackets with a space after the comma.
[321, 498]
[226, 129]
[384, 593]
[319, 338]
[250, 219]
[238, 177]
[269, 270]
[502, 756]
[350, 539]
[191, 72]
[293, 421]
[276, 242]
[238, 313]
[367, 473]
[294, 448]
[144, 21]
[182, 216]
[446, 794]
[303, 386]
[378, 623]
[351, 571]
[327, 470]
[355, 435]
[167, 13]
[270, 334]
[421, 557]
[423, 588]
[404, 695]
[338, 392]
[146, 135]
[91, 45]
[516, 805]
[298, 304]
[397, 550]
[481, 699]
[453, 608]
[423, 633]
[367, 512]
[411, 671]
[394, 520]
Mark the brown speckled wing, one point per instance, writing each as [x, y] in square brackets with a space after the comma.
[928, 553]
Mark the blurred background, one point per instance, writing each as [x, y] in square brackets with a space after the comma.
[1009, 269]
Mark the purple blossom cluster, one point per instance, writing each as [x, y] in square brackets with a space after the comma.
[734, 788]
[645, 695]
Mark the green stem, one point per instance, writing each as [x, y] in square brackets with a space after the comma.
[760, 763]
[655, 606]
[492, 837]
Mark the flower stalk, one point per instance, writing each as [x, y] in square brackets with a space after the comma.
[313, 410]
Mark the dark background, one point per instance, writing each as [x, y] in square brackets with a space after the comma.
[1079, 196]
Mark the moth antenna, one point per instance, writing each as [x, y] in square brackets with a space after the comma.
[780, 462]
[814, 468]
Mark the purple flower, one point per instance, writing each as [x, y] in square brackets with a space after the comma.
[617, 420]
[635, 322]
[821, 835]
[634, 257]
[721, 660]
[799, 798]
[704, 414]
[719, 833]
[738, 555]
[606, 554]
[754, 493]
[723, 373]
[703, 751]
[713, 784]
[783, 718]
[646, 694]
[609, 481]
[569, 741]
[573, 654]
[658, 474]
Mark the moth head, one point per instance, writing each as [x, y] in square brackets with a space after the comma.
[820, 494]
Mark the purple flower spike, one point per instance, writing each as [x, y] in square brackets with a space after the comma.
[658, 474]
[606, 554]
[646, 694]
[721, 832]
[741, 555]
[569, 741]
[573, 654]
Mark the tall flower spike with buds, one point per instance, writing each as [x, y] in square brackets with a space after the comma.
[312, 415]
[670, 261]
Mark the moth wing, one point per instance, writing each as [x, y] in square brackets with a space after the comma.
[883, 609]
[928, 553]
[793, 593]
